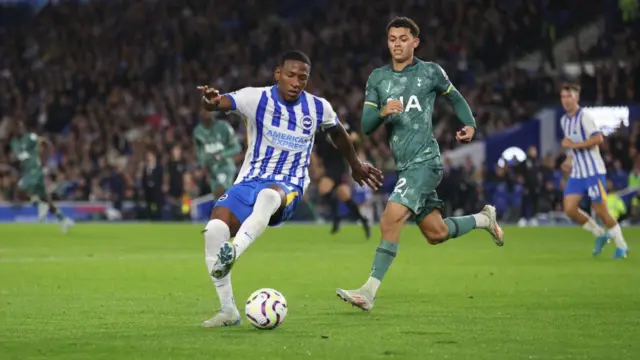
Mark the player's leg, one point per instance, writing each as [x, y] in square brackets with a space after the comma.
[574, 191]
[35, 185]
[219, 229]
[343, 193]
[598, 195]
[26, 191]
[438, 230]
[402, 203]
[428, 213]
[269, 202]
[393, 219]
[571, 204]
[65, 222]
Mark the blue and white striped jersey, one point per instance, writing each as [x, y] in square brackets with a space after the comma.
[280, 134]
[586, 162]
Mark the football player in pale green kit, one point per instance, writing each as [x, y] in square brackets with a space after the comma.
[26, 148]
[216, 143]
[401, 96]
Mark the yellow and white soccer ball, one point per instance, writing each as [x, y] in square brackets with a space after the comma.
[266, 309]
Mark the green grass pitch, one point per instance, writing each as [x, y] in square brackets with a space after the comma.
[140, 291]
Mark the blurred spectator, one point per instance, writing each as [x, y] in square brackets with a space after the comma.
[152, 180]
[532, 173]
[106, 80]
[173, 187]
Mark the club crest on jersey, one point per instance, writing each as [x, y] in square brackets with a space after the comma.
[307, 122]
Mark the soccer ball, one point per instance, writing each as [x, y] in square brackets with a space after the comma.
[266, 309]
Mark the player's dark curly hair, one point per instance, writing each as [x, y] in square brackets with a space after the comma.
[295, 55]
[404, 22]
[571, 87]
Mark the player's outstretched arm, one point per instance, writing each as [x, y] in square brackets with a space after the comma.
[463, 113]
[213, 101]
[362, 173]
[460, 106]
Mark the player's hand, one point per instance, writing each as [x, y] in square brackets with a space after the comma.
[365, 174]
[465, 135]
[567, 143]
[391, 108]
[209, 93]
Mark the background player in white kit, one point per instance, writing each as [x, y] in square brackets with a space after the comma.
[588, 173]
[281, 125]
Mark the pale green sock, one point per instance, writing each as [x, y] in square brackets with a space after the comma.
[460, 225]
[385, 253]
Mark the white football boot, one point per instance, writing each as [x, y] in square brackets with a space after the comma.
[360, 298]
[224, 317]
[226, 259]
[494, 228]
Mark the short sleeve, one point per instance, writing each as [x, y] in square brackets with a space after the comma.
[245, 101]
[442, 84]
[371, 97]
[589, 125]
[329, 116]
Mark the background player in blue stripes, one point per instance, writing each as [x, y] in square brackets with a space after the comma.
[588, 172]
[281, 124]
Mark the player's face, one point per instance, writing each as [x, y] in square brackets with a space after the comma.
[292, 78]
[569, 99]
[401, 43]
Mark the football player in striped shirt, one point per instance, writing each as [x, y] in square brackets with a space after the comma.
[588, 173]
[281, 124]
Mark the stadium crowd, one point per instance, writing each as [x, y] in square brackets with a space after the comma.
[115, 88]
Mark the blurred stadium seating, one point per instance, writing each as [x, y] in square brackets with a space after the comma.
[107, 80]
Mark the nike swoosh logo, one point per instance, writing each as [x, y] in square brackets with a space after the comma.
[389, 86]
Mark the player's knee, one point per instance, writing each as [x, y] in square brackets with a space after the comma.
[325, 186]
[343, 192]
[267, 203]
[217, 226]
